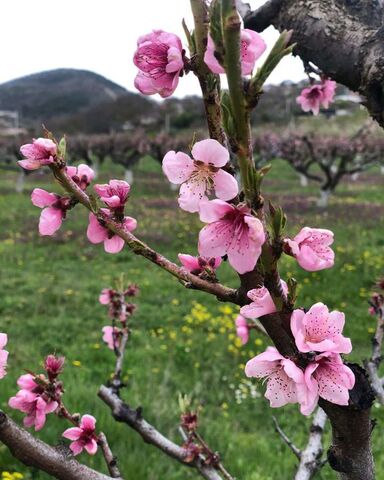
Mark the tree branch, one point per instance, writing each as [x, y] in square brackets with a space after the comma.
[373, 363]
[209, 83]
[296, 451]
[133, 418]
[140, 248]
[56, 461]
[110, 459]
[310, 459]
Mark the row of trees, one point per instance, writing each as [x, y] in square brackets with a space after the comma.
[325, 160]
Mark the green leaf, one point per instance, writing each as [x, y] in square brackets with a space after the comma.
[228, 122]
[278, 52]
[216, 30]
[93, 202]
[190, 38]
[292, 291]
[62, 147]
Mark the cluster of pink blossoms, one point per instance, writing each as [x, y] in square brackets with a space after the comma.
[55, 207]
[232, 230]
[115, 195]
[119, 309]
[318, 337]
[161, 60]
[312, 98]
[41, 394]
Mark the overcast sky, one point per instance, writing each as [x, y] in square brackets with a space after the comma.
[97, 35]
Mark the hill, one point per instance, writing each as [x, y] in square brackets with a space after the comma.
[57, 94]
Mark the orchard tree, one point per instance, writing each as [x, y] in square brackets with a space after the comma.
[305, 364]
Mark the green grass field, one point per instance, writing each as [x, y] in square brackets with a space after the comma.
[182, 341]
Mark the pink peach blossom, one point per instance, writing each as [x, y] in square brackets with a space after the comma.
[242, 330]
[54, 210]
[111, 336]
[53, 365]
[114, 194]
[81, 175]
[312, 98]
[84, 436]
[3, 354]
[39, 153]
[319, 330]
[97, 233]
[285, 381]
[32, 400]
[232, 231]
[327, 377]
[201, 175]
[159, 58]
[197, 265]
[311, 248]
[329, 89]
[252, 47]
[262, 303]
[105, 296]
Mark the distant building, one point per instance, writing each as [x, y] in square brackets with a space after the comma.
[9, 124]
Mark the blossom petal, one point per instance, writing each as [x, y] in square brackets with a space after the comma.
[211, 152]
[225, 184]
[177, 167]
[114, 244]
[50, 220]
[41, 198]
[72, 433]
[192, 194]
[95, 232]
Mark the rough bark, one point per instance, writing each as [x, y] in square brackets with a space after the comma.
[35, 453]
[350, 454]
[344, 38]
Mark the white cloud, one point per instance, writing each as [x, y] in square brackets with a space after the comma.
[96, 35]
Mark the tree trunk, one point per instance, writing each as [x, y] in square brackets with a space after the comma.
[323, 201]
[20, 182]
[303, 180]
[128, 176]
[344, 38]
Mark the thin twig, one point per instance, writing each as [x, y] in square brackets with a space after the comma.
[310, 461]
[140, 248]
[110, 459]
[372, 365]
[133, 418]
[296, 451]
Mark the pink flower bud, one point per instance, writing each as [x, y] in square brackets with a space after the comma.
[114, 194]
[159, 58]
[53, 366]
[311, 248]
[39, 153]
[252, 47]
[81, 175]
